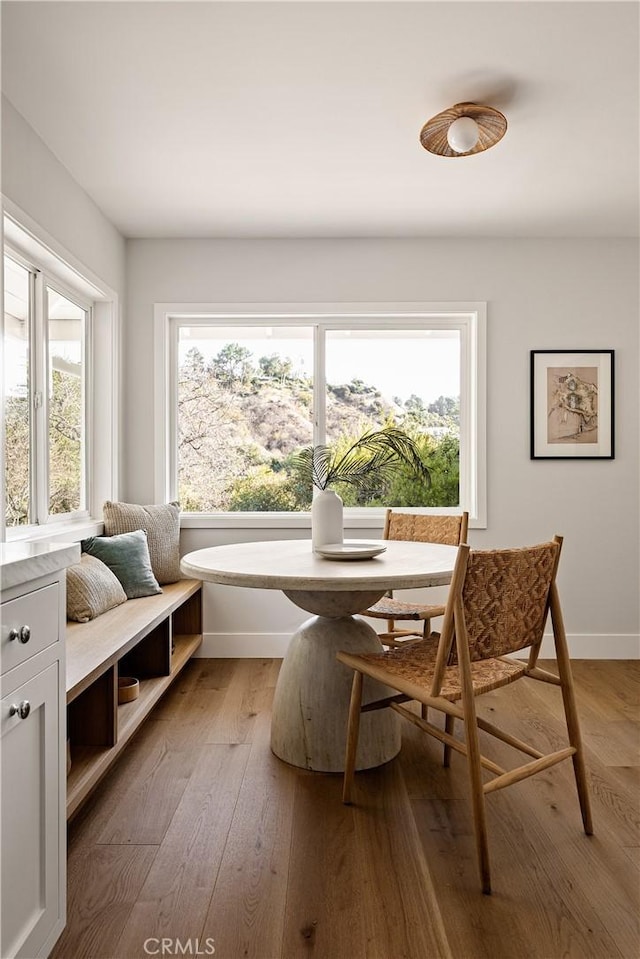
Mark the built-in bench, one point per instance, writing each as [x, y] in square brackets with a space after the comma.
[151, 638]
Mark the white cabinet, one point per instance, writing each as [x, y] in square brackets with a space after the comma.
[30, 865]
[33, 755]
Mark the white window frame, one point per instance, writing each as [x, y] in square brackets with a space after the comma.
[56, 268]
[468, 318]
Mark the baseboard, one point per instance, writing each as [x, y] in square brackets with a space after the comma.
[593, 646]
[274, 646]
[243, 645]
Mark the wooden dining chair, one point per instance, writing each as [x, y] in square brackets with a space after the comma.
[498, 604]
[414, 527]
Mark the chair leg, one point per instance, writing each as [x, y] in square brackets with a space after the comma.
[477, 803]
[473, 756]
[426, 630]
[449, 724]
[353, 730]
[579, 769]
[571, 712]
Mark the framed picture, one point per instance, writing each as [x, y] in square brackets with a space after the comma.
[572, 404]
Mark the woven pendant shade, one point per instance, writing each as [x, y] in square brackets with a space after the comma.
[492, 126]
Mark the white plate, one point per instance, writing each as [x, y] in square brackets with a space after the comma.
[350, 550]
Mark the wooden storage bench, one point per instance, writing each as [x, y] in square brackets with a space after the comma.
[150, 638]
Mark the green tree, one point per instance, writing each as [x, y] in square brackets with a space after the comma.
[17, 487]
[443, 459]
[262, 490]
[276, 367]
[65, 442]
[446, 406]
[232, 366]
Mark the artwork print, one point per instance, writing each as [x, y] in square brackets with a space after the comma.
[572, 403]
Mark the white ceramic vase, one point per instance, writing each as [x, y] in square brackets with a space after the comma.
[326, 518]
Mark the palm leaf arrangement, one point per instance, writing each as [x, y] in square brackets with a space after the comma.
[373, 456]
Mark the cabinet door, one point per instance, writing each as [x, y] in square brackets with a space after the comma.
[30, 815]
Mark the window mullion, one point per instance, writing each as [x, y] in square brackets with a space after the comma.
[319, 386]
[172, 424]
[40, 399]
[86, 497]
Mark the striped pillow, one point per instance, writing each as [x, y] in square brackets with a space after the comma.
[92, 589]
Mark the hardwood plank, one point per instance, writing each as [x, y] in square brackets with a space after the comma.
[145, 811]
[104, 883]
[443, 817]
[201, 698]
[300, 874]
[633, 853]
[323, 915]
[615, 801]
[247, 697]
[175, 897]
[537, 833]
[84, 829]
[101, 805]
[246, 914]
[594, 869]
[613, 731]
[216, 673]
[401, 912]
[614, 790]
[617, 700]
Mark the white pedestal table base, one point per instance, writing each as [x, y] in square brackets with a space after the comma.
[311, 704]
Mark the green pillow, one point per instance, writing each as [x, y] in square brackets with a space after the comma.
[126, 555]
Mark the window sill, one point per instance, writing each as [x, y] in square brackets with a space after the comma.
[68, 531]
[353, 519]
[358, 519]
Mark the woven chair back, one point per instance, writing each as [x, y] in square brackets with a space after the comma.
[505, 598]
[425, 529]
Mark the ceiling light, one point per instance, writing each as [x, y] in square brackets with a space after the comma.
[463, 134]
[463, 130]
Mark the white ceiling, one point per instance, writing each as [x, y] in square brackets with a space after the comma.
[302, 119]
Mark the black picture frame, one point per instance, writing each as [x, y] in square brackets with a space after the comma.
[572, 404]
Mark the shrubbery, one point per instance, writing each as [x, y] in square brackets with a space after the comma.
[240, 425]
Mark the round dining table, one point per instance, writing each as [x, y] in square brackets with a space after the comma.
[311, 702]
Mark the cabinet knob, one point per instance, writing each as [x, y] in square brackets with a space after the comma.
[23, 634]
[21, 709]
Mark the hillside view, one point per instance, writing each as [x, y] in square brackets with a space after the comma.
[241, 418]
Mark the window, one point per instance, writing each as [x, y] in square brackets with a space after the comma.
[249, 390]
[44, 399]
[61, 379]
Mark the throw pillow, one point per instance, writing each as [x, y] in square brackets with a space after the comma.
[126, 555]
[162, 526]
[92, 589]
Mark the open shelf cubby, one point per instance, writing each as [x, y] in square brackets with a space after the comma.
[150, 639]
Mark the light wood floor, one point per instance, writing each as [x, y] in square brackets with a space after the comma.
[200, 832]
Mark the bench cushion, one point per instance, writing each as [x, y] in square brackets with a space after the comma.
[92, 589]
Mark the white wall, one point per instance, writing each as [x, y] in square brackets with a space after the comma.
[35, 181]
[40, 193]
[541, 294]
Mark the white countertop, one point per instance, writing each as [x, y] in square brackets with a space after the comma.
[291, 565]
[22, 562]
